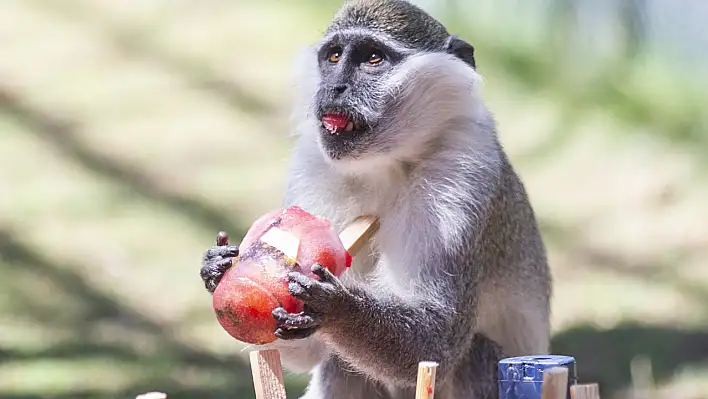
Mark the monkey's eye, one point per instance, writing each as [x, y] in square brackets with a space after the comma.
[375, 58]
[334, 56]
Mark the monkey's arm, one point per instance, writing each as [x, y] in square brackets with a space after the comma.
[385, 334]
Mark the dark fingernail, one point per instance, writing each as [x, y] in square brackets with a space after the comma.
[222, 239]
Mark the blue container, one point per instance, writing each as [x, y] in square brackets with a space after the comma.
[522, 377]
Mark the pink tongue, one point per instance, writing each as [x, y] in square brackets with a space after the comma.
[335, 122]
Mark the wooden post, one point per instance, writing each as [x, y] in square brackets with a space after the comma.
[640, 369]
[267, 374]
[555, 383]
[585, 391]
[425, 389]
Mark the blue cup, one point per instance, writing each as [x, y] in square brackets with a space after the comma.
[522, 377]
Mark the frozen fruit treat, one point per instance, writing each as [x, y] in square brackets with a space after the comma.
[257, 283]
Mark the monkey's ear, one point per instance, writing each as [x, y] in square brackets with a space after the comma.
[461, 49]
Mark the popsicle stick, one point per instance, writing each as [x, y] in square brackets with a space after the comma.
[425, 388]
[353, 237]
[585, 391]
[267, 374]
[285, 242]
[152, 395]
[555, 383]
[360, 231]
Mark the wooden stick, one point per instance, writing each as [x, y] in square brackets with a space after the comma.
[640, 369]
[267, 374]
[425, 389]
[585, 391]
[360, 231]
[555, 383]
[353, 237]
[285, 242]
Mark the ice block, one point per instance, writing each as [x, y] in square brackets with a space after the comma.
[278, 242]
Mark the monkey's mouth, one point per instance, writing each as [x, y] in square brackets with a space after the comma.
[343, 133]
[336, 123]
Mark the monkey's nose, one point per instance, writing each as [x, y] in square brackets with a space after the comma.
[340, 89]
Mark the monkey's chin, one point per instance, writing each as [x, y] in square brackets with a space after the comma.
[337, 154]
[343, 144]
[352, 158]
[373, 167]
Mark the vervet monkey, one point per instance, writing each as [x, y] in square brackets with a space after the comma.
[393, 124]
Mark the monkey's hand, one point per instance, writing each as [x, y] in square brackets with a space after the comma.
[217, 261]
[323, 298]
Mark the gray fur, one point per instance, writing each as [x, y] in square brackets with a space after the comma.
[403, 21]
[457, 272]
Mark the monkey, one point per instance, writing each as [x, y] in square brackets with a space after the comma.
[390, 121]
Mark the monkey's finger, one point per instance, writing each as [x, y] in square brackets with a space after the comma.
[323, 273]
[212, 273]
[224, 252]
[280, 313]
[210, 284]
[305, 281]
[221, 266]
[216, 268]
[293, 334]
[290, 320]
[300, 292]
[222, 239]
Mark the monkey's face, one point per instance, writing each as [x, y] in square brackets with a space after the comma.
[379, 98]
[351, 100]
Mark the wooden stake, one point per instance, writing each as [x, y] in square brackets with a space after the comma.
[425, 389]
[555, 383]
[585, 391]
[360, 231]
[267, 374]
[640, 369]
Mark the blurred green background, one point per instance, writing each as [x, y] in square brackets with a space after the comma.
[132, 131]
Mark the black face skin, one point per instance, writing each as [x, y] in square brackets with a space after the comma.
[353, 67]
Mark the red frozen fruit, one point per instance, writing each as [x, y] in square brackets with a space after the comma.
[257, 282]
[336, 122]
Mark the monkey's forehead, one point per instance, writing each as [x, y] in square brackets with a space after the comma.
[399, 19]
